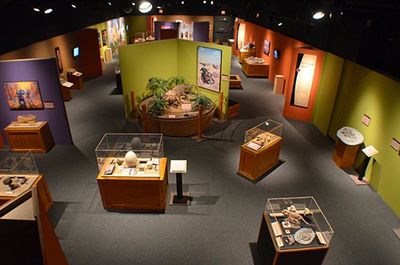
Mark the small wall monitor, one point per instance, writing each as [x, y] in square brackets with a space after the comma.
[276, 54]
[75, 52]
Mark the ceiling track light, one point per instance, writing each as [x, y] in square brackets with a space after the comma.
[145, 7]
[133, 3]
[222, 12]
[109, 3]
[280, 24]
[73, 5]
[211, 2]
[36, 9]
[48, 11]
[318, 15]
[204, 1]
[182, 2]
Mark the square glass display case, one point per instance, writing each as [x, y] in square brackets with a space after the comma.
[146, 146]
[265, 132]
[261, 148]
[294, 230]
[150, 35]
[18, 171]
[140, 37]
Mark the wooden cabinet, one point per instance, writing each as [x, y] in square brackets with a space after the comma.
[255, 163]
[35, 138]
[246, 53]
[255, 70]
[142, 194]
[279, 84]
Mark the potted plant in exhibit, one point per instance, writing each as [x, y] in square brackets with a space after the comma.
[176, 80]
[202, 100]
[157, 86]
[157, 106]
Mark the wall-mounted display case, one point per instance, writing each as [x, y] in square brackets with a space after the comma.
[261, 148]
[293, 230]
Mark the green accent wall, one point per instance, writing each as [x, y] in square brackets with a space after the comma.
[327, 90]
[164, 59]
[135, 24]
[362, 91]
[141, 61]
[187, 67]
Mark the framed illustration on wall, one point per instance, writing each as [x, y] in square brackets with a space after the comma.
[23, 95]
[104, 37]
[209, 68]
[59, 60]
[267, 45]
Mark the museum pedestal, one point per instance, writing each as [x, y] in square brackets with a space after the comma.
[235, 81]
[255, 69]
[141, 194]
[77, 79]
[255, 163]
[279, 84]
[35, 138]
[270, 253]
[245, 53]
[66, 93]
[348, 142]
[345, 155]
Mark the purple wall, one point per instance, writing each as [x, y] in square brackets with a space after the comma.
[46, 73]
[201, 31]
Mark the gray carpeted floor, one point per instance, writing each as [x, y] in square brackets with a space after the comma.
[221, 226]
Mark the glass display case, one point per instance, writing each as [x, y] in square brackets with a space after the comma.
[150, 35]
[18, 171]
[264, 133]
[140, 37]
[116, 146]
[297, 222]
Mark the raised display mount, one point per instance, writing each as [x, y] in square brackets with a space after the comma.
[178, 167]
[350, 136]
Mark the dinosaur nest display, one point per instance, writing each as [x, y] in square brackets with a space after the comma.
[168, 98]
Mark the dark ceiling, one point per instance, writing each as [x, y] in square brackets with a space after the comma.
[366, 32]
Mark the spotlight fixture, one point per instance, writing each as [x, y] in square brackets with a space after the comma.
[204, 1]
[48, 11]
[36, 9]
[133, 3]
[318, 15]
[160, 11]
[145, 7]
[280, 24]
[211, 2]
[109, 3]
[222, 12]
[73, 6]
[182, 2]
[257, 15]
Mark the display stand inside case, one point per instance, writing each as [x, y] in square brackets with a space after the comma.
[127, 181]
[293, 231]
[261, 148]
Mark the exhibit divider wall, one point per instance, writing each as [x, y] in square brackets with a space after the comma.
[43, 73]
[365, 92]
[165, 59]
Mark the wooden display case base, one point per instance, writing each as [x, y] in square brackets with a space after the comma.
[134, 194]
[235, 82]
[233, 109]
[30, 138]
[255, 70]
[254, 164]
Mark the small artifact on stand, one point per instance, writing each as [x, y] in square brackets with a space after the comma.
[304, 236]
[294, 217]
[130, 159]
[136, 143]
[27, 118]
